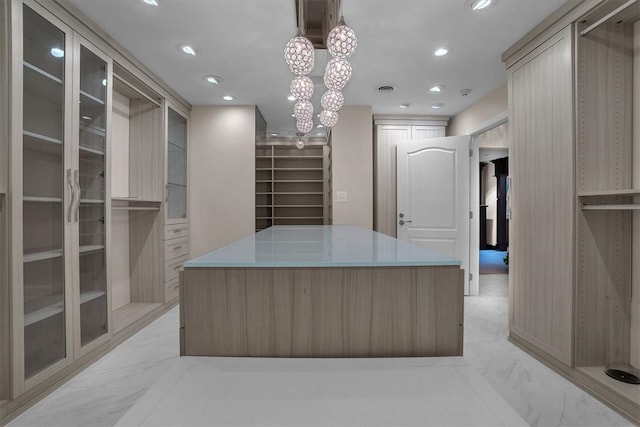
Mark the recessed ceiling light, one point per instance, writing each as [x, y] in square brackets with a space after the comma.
[291, 98]
[189, 50]
[319, 133]
[228, 98]
[480, 4]
[57, 52]
[437, 106]
[441, 51]
[320, 126]
[436, 88]
[293, 115]
[214, 80]
[86, 117]
[385, 89]
[274, 134]
[404, 106]
[151, 2]
[104, 82]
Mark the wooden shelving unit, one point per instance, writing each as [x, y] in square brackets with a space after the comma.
[292, 185]
[608, 180]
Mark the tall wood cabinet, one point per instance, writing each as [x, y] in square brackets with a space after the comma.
[575, 197]
[389, 131]
[93, 198]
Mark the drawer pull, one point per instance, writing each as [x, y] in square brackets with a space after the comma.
[177, 247]
[177, 230]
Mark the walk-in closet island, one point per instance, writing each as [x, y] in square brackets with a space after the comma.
[321, 291]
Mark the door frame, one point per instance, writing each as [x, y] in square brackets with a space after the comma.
[474, 197]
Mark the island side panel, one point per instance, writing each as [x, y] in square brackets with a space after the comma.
[322, 312]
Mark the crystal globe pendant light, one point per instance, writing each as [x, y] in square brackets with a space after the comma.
[341, 44]
[304, 126]
[342, 41]
[299, 55]
[301, 88]
[303, 111]
[328, 118]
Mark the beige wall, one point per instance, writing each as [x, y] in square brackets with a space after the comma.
[352, 166]
[479, 113]
[221, 175]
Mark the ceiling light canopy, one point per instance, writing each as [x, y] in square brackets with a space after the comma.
[480, 4]
[214, 80]
[441, 51]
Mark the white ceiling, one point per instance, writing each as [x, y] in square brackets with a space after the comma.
[243, 40]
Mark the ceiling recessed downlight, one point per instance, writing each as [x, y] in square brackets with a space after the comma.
[274, 134]
[441, 51]
[385, 89]
[320, 126]
[214, 80]
[291, 98]
[151, 2]
[436, 88]
[189, 50]
[405, 106]
[228, 98]
[437, 105]
[480, 4]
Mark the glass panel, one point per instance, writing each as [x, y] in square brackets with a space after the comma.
[177, 166]
[93, 282]
[43, 188]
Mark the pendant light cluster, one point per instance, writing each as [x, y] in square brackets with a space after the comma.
[299, 55]
[341, 44]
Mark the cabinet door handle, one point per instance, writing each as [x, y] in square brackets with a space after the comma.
[73, 195]
[76, 179]
[177, 247]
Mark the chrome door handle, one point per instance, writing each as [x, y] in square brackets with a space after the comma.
[76, 179]
[73, 195]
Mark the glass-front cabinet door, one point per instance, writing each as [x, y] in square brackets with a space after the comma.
[90, 181]
[45, 183]
[176, 166]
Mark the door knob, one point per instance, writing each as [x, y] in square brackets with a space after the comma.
[402, 222]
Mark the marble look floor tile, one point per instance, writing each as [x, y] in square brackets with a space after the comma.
[537, 393]
[204, 391]
[133, 366]
[70, 406]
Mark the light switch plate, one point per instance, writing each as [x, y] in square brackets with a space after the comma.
[341, 196]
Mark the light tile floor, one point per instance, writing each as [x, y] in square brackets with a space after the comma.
[103, 393]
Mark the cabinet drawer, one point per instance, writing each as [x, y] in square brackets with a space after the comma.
[175, 231]
[172, 268]
[171, 290]
[175, 248]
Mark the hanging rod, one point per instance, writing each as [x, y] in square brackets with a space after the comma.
[607, 17]
[136, 90]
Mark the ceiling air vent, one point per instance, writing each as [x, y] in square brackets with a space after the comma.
[385, 89]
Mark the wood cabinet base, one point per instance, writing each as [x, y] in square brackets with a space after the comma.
[322, 312]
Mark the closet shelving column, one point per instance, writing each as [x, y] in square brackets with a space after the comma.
[298, 185]
[264, 186]
[608, 217]
[137, 196]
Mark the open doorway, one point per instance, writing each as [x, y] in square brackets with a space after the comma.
[488, 202]
[493, 221]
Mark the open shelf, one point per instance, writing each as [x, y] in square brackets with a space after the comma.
[630, 392]
[629, 207]
[134, 204]
[42, 255]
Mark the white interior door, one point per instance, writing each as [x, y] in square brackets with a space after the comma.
[433, 196]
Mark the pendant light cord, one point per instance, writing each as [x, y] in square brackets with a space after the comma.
[301, 29]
